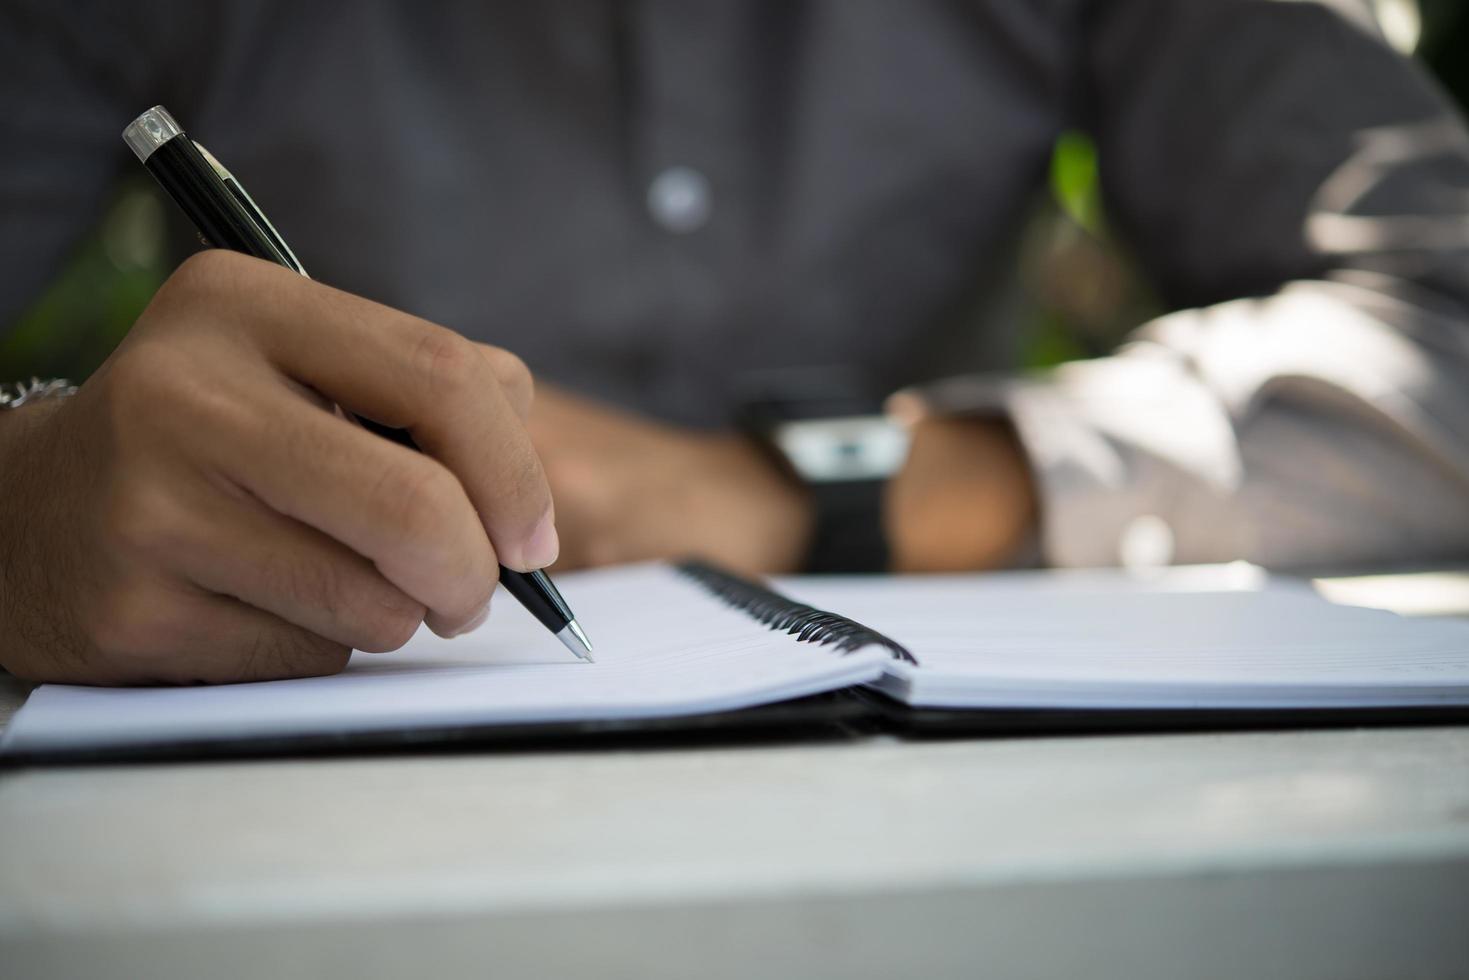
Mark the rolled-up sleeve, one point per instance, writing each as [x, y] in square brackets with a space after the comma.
[1300, 193]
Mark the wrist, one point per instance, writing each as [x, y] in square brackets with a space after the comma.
[964, 499]
[22, 404]
[9, 423]
[20, 500]
[16, 427]
[834, 446]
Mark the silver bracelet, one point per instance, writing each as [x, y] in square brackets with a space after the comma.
[16, 394]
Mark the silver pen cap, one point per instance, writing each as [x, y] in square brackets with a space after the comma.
[150, 131]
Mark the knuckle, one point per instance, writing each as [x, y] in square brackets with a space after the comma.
[514, 375]
[207, 270]
[280, 654]
[214, 290]
[211, 291]
[143, 520]
[460, 567]
[134, 375]
[389, 627]
[447, 364]
[371, 613]
[312, 582]
[160, 407]
[416, 495]
[477, 584]
[431, 517]
[136, 621]
[327, 659]
[154, 384]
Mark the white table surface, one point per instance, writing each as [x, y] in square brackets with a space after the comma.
[1302, 854]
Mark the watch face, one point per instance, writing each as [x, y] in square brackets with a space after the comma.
[826, 422]
[854, 447]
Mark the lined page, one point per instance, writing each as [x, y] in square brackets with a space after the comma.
[664, 647]
[1028, 641]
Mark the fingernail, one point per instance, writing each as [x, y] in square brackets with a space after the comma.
[476, 622]
[542, 547]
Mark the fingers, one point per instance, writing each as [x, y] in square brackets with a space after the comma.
[401, 510]
[160, 634]
[408, 373]
[236, 528]
[253, 645]
[242, 549]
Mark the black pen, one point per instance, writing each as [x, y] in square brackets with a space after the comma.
[226, 217]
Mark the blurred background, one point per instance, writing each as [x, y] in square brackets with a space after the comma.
[1079, 292]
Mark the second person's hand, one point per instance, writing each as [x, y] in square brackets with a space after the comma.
[630, 488]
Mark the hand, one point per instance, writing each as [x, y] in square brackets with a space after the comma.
[628, 489]
[199, 511]
[963, 499]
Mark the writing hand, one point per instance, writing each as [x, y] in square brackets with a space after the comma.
[199, 510]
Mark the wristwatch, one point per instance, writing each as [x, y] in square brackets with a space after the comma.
[827, 431]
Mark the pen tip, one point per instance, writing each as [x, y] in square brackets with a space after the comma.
[576, 641]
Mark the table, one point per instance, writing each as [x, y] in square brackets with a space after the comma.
[1303, 854]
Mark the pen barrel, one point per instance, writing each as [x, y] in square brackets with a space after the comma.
[539, 596]
[221, 220]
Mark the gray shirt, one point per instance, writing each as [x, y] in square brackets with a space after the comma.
[647, 200]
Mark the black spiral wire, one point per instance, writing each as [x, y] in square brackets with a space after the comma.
[805, 623]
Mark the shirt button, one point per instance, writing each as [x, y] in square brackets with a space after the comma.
[680, 200]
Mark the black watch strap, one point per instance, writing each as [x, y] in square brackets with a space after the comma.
[848, 536]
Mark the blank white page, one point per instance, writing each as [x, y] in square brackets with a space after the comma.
[1022, 640]
[664, 647]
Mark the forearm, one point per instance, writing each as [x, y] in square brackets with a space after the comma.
[1321, 425]
[1282, 153]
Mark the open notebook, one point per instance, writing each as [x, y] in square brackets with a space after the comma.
[690, 641]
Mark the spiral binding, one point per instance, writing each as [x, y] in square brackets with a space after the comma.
[805, 623]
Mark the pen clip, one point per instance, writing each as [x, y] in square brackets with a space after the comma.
[247, 202]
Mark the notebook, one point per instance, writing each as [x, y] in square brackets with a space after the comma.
[689, 641]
